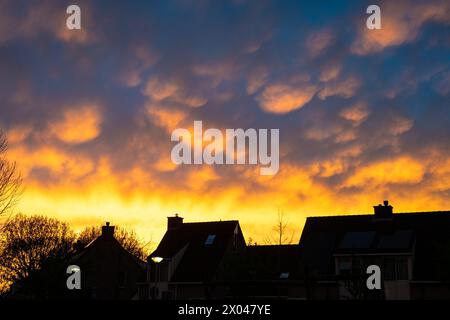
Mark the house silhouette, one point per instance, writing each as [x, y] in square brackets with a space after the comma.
[191, 260]
[108, 271]
[411, 249]
[210, 260]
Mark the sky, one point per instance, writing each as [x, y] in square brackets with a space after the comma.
[364, 115]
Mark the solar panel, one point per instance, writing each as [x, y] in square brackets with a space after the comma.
[398, 240]
[357, 240]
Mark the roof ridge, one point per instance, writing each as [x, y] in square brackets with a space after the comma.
[275, 245]
[214, 221]
[371, 214]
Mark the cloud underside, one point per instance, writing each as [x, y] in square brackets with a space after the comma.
[363, 114]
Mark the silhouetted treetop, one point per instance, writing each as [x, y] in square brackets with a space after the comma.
[27, 244]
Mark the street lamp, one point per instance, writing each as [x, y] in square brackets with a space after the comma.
[157, 261]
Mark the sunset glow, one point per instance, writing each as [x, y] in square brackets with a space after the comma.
[363, 116]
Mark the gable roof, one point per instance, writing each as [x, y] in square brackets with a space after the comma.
[105, 244]
[423, 234]
[274, 263]
[200, 258]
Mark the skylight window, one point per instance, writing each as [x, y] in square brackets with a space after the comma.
[209, 241]
[357, 240]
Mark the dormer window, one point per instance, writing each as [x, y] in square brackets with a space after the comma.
[209, 241]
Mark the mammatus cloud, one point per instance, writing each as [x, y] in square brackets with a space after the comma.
[89, 118]
[142, 58]
[317, 42]
[78, 124]
[330, 72]
[356, 113]
[287, 96]
[43, 19]
[159, 90]
[257, 79]
[167, 118]
[346, 88]
[401, 23]
[216, 72]
[284, 97]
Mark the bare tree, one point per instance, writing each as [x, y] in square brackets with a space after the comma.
[127, 238]
[30, 248]
[281, 230]
[10, 180]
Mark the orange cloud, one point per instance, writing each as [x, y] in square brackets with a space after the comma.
[45, 18]
[329, 168]
[356, 113]
[217, 72]
[401, 22]
[404, 170]
[64, 165]
[165, 164]
[400, 125]
[193, 101]
[200, 178]
[139, 199]
[346, 88]
[256, 80]
[330, 73]
[127, 176]
[169, 119]
[160, 90]
[73, 36]
[18, 134]
[78, 125]
[346, 136]
[319, 41]
[319, 134]
[284, 98]
[143, 58]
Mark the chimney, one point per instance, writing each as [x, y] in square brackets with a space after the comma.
[383, 210]
[108, 231]
[174, 222]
